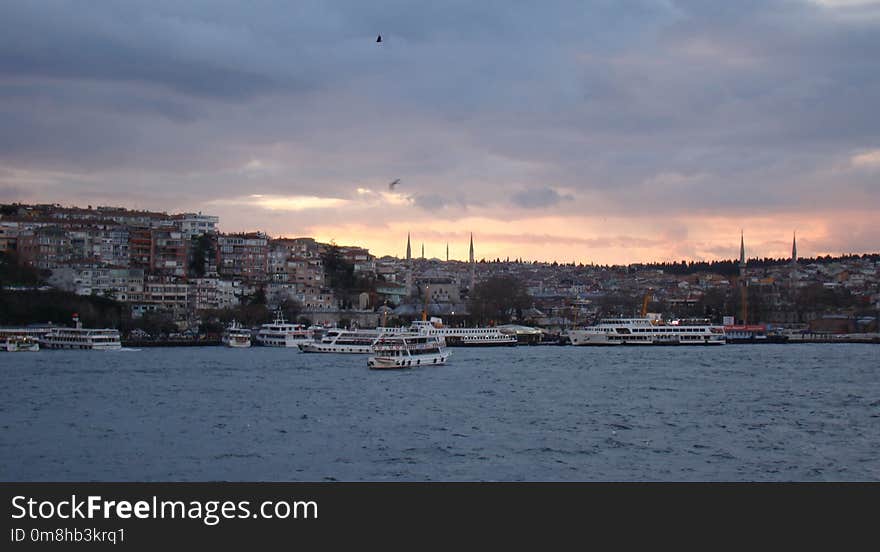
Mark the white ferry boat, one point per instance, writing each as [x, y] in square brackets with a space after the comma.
[406, 351]
[236, 336]
[18, 342]
[82, 338]
[337, 340]
[460, 337]
[645, 331]
[283, 334]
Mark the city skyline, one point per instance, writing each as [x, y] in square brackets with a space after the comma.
[211, 223]
[570, 132]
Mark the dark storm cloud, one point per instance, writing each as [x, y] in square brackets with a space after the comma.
[91, 40]
[691, 106]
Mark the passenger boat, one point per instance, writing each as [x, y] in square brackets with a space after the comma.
[236, 336]
[407, 350]
[461, 337]
[104, 339]
[752, 333]
[337, 340]
[17, 343]
[647, 331]
[280, 333]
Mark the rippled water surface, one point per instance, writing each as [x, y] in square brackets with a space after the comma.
[732, 413]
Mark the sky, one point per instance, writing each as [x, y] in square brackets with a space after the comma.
[609, 131]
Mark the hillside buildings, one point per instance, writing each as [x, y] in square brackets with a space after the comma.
[182, 265]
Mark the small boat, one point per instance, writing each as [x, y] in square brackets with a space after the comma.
[19, 343]
[405, 351]
[753, 333]
[236, 336]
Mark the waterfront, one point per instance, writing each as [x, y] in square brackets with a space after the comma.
[735, 413]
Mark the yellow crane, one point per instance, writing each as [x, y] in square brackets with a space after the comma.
[425, 309]
[645, 300]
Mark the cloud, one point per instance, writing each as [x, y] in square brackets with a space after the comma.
[651, 109]
[868, 159]
[538, 198]
[284, 203]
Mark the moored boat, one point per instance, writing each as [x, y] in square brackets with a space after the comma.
[338, 340]
[487, 336]
[101, 339]
[647, 331]
[18, 343]
[281, 333]
[752, 334]
[236, 336]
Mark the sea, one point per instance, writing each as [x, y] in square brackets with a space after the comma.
[793, 412]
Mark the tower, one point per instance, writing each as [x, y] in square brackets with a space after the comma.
[794, 249]
[743, 283]
[447, 252]
[473, 264]
[409, 272]
[423, 250]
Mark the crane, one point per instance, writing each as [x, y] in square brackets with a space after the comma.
[645, 300]
[425, 310]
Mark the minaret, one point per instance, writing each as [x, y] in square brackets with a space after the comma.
[743, 283]
[794, 249]
[423, 251]
[409, 272]
[447, 252]
[473, 265]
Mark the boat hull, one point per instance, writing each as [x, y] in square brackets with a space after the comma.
[602, 340]
[283, 343]
[86, 347]
[18, 348]
[455, 341]
[238, 344]
[335, 348]
[401, 363]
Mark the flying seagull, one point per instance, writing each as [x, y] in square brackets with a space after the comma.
[379, 38]
[393, 184]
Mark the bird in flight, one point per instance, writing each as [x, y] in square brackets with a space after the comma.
[379, 38]
[393, 184]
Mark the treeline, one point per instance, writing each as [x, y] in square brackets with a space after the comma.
[730, 267]
[498, 300]
[763, 304]
[19, 308]
[22, 308]
[727, 267]
[13, 273]
[341, 277]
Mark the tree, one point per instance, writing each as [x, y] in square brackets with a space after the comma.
[290, 308]
[202, 253]
[259, 297]
[496, 299]
[13, 272]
